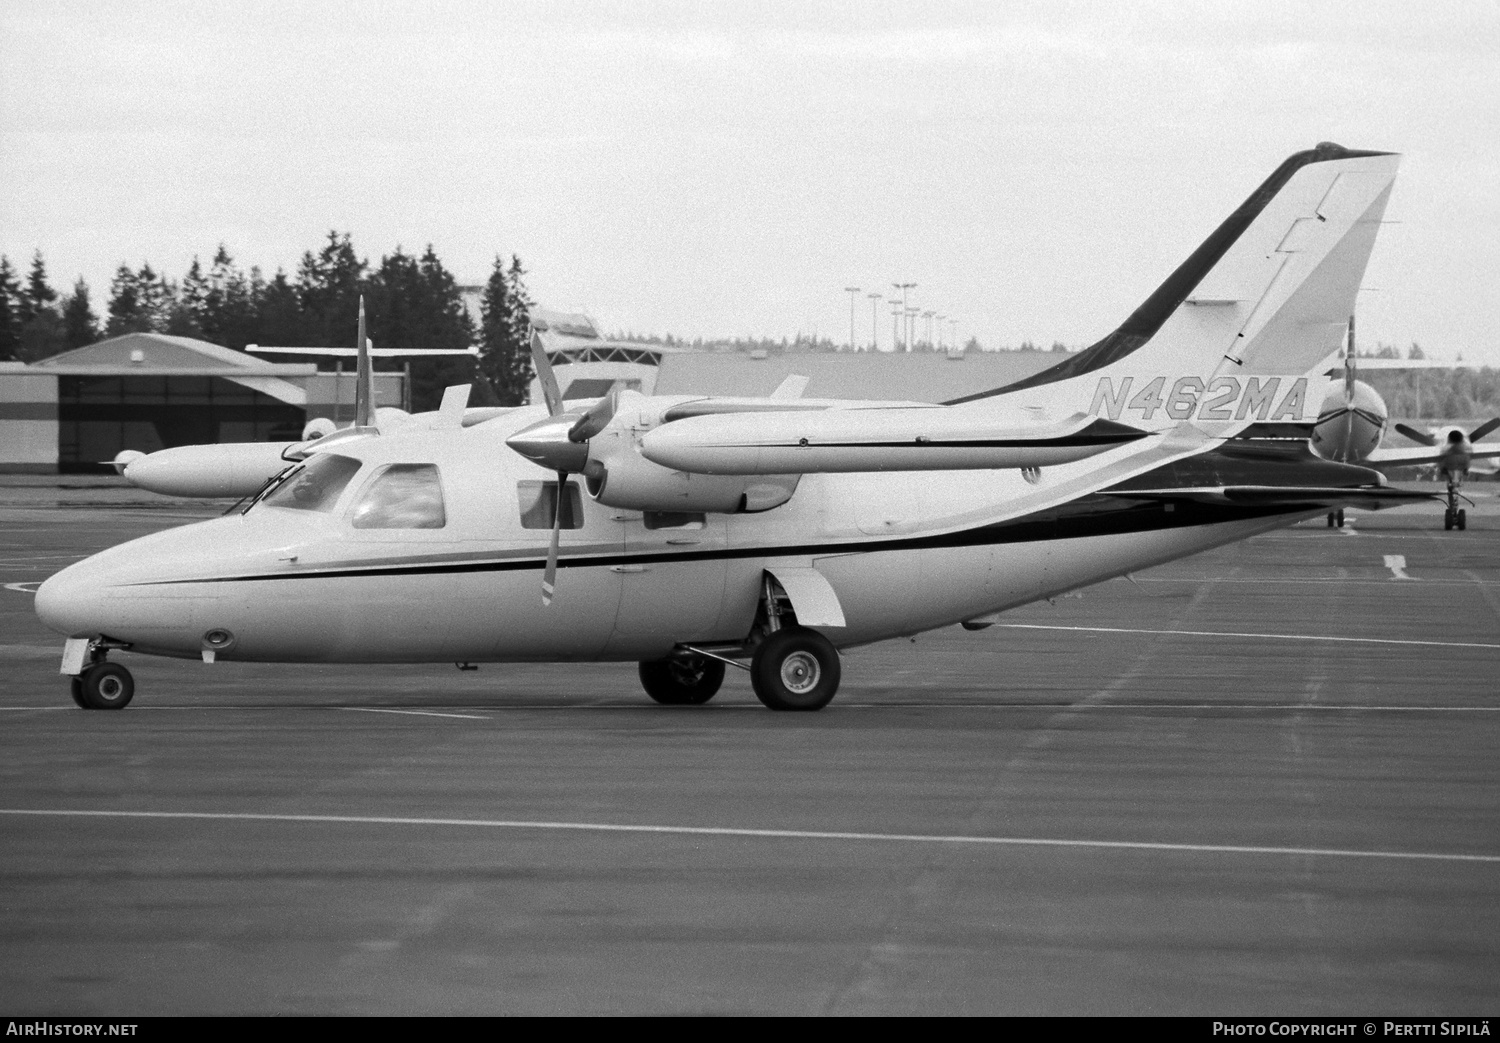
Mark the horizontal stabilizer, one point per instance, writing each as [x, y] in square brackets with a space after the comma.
[349, 353]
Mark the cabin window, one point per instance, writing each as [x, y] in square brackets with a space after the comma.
[316, 485]
[401, 496]
[538, 499]
[672, 520]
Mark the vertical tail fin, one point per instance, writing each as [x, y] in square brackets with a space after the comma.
[1250, 314]
[364, 377]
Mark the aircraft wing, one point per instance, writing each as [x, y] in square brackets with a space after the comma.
[901, 439]
[1371, 498]
[1420, 455]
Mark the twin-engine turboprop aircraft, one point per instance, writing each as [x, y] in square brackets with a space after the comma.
[690, 533]
[1352, 423]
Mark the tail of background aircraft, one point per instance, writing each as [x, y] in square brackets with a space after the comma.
[1235, 333]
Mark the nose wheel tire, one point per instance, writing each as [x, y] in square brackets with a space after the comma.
[682, 681]
[105, 686]
[795, 669]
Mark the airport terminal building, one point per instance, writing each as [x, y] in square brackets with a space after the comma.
[73, 412]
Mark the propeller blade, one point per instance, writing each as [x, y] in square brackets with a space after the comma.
[1417, 436]
[544, 373]
[549, 576]
[1484, 429]
[598, 416]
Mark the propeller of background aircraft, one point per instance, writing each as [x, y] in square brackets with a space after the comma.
[1431, 440]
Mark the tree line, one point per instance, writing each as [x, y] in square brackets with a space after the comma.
[411, 302]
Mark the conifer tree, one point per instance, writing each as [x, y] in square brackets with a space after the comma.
[504, 354]
[80, 325]
[328, 287]
[10, 322]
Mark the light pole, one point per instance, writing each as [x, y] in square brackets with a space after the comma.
[853, 292]
[911, 325]
[895, 325]
[903, 287]
[940, 320]
[874, 335]
[928, 316]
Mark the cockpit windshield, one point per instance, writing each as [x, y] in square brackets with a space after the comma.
[316, 485]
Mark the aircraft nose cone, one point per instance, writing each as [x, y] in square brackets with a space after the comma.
[70, 602]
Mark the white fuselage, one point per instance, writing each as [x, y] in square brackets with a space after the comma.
[904, 552]
[1349, 425]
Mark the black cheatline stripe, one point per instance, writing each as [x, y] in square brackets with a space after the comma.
[1066, 442]
[1154, 311]
[1106, 516]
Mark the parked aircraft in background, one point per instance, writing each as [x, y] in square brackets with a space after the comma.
[769, 533]
[239, 469]
[1352, 423]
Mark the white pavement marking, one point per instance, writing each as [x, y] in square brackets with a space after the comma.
[1272, 637]
[414, 713]
[1397, 564]
[29, 587]
[763, 834]
[835, 708]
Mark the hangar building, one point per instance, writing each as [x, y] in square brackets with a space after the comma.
[73, 412]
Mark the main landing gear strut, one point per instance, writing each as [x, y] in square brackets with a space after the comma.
[792, 667]
[102, 685]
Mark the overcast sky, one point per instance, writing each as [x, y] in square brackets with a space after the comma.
[703, 169]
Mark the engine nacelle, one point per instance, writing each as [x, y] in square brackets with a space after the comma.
[230, 469]
[617, 475]
[317, 427]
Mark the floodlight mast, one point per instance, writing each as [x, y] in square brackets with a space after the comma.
[903, 287]
[895, 325]
[853, 292]
[874, 334]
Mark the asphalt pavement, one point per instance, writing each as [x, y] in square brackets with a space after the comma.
[1258, 781]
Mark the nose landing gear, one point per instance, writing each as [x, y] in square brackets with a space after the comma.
[1336, 518]
[104, 686]
[1455, 517]
[97, 684]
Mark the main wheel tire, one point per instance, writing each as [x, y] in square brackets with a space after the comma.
[1447, 520]
[795, 669]
[1341, 517]
[76, 686]
[107, 686]
[1330, 519]
[1463, 519]
[686, 681]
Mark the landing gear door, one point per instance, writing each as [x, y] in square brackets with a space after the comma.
[812, 596]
